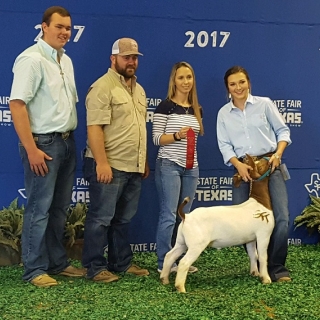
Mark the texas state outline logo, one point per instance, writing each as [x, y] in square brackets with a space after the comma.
[314, 185]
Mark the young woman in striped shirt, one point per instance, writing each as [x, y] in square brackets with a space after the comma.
[177, 123]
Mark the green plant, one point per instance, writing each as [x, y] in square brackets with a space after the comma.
[223, 289]
[310, 216]
[74, 228]
[11, 219]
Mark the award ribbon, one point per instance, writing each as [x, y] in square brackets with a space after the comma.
[191, 140]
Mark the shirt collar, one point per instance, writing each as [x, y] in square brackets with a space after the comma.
[249, 100]
[51, 52]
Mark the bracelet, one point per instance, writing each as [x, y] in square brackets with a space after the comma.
[277, 156]
[175, 137]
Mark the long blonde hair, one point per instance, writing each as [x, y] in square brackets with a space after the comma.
[192, 97]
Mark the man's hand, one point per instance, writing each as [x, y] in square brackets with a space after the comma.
[37, 160]
[104, 173]
[146, 171]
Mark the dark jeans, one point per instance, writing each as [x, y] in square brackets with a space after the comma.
[278, 246]
[112, 206]
[48, 199]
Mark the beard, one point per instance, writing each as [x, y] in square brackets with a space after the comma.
[127, 72]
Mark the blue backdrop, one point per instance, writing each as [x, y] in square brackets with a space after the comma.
[276, 41]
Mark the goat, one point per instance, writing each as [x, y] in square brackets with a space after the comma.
[249, 223]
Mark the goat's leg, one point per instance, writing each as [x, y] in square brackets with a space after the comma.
[170, 259]
[191, 256]
[262, 245]
[253, 255]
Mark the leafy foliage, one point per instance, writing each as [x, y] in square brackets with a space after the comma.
[310, 216]
[11, 219]
[221, 290]
[75, 222]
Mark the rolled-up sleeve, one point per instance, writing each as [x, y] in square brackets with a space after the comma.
[158, 128]
[281, 130]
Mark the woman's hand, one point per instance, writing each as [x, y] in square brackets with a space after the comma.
[183, 132]
[244, 171]
[275, 161]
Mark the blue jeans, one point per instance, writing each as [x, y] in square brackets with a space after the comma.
[173, 183]
[278, 246]
[48, 199]
[112, 206]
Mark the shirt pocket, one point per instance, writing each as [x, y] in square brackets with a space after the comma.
[142, 104]
[258, 120]
[121, 108]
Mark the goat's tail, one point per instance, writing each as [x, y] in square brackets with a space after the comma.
[181, 206]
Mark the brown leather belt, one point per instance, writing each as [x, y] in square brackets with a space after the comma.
[256, 158]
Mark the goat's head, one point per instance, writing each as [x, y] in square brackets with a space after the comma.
[260, 167]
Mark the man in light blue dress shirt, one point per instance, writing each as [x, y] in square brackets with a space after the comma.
[253, 125]
[43, 107]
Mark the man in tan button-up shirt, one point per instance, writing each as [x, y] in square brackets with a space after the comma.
[115, 163]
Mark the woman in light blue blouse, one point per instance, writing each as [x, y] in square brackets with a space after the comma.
[253, 125]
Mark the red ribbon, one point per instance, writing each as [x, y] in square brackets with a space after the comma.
[191, 141]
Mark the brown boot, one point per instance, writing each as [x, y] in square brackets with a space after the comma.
[105, 276]
[284, 279]
[71, 271]
[43, 281]
[134, 269]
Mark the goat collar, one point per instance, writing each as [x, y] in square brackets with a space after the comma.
[266, 173]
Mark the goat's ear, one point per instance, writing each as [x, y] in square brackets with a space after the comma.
[237, 180]
[250, 161]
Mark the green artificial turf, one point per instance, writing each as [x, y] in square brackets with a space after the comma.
[222, 289]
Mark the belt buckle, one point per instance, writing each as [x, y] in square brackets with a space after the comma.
[65, 135]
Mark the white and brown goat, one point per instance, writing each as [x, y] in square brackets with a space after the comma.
[249, 223]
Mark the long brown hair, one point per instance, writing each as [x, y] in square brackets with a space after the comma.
[192, 97]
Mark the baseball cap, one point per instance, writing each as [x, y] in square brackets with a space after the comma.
[125, 47]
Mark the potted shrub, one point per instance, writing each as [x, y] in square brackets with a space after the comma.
[310, 216]
[74, 229]
[11, 219]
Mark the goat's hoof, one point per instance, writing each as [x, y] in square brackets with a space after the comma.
[181, 289]
[165, 280]
[266, 280]
[255, 273]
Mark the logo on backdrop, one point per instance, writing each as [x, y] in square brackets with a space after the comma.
[202, 39]
[214, 189]
[290, 111]
[76, 38]
[313, 186]
[80, 192]
[5, 114]
[152, 104]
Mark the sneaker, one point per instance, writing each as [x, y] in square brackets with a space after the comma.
[284, 279]
[192, 269]
[43, 281]
[71, 271]
[105, 276]
[134, 269]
